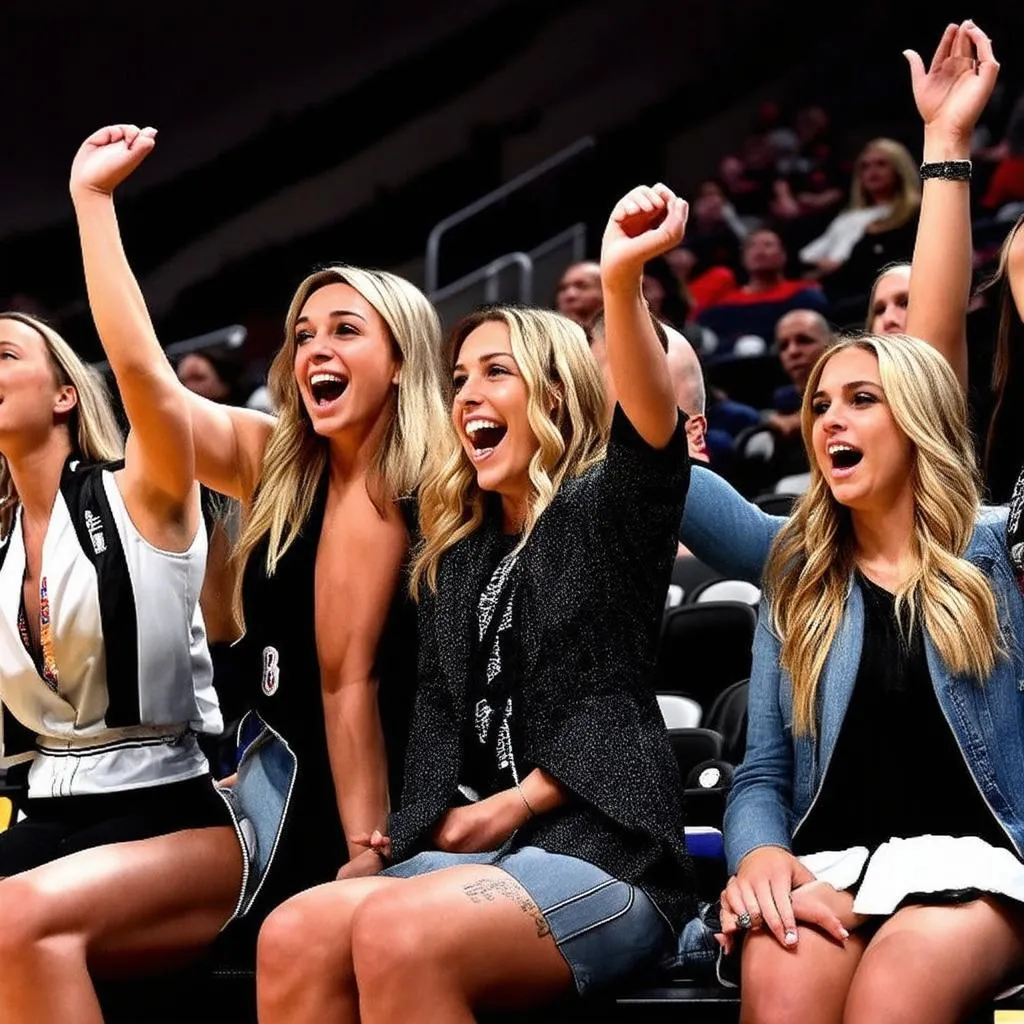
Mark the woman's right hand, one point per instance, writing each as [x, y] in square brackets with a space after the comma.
[956, 87]
[109, 156]
[761, 888]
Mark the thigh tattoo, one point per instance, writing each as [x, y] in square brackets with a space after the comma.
[487, 890]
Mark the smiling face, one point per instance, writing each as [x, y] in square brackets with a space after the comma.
[866, 459]
[490, 416]
[346, 366]
[889, 298]
[33, 401]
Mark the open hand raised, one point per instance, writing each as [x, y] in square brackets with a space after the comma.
[954, 90]
[109, 156]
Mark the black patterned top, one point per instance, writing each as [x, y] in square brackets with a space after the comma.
[592, 579]
[1015, 529]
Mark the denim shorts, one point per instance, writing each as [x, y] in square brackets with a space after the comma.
[605, 928]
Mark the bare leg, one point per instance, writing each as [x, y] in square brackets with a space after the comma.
[936, 963]
[304, 957]
[457, 939]
[809, 983]
[115, 908]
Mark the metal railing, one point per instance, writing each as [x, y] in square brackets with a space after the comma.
[437, 232]
[223, 339]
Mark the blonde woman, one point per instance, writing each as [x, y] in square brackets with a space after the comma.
[329, 645]
[538, 849]
[126, 855]
[885, 194]
[874, 829]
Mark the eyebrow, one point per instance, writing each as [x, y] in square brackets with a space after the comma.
[852, 385]
[334, 313]
[484, 359]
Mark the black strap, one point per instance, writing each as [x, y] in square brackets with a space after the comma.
[94, 523]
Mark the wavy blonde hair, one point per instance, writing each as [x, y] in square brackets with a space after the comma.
[92, 425]
[906, 202]
[296, 456]
[554, 358]
[812, 558]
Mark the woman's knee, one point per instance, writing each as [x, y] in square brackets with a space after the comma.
[304, 935]
[390, 936]
[27, 919]
[887, 988]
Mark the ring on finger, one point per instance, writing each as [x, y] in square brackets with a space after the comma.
[744, 921]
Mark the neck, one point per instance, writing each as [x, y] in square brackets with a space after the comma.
[35, 474]
[761, 281]
[350, 455]
[884, 537]
[513, 514]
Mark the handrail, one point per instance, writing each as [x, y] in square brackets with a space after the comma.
[489, 273]
[581, 145]
[577, 233]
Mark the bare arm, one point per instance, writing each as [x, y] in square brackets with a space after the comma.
[644, 224]
[950, 97]
[358, 569]
[176, 436]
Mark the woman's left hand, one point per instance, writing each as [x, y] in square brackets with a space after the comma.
[484, 825]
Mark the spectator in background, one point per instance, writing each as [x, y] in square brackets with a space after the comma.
[221, 377]
[1006, 185]
[878, 227]
[811, 182]
[800, 338]
[579, 292]
[684, 369]
[888, 300]
[755, 307]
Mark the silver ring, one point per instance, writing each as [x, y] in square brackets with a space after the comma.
[743, 921]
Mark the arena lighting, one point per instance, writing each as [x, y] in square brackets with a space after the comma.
[224, 339]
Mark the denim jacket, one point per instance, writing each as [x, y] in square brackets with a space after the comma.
[774, 788]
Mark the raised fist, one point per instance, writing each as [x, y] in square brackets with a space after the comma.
[108, 156]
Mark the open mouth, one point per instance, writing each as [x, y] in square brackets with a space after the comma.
[844, 456]
[327, 388]
[485, 436]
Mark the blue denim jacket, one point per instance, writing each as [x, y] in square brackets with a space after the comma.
[781, 774]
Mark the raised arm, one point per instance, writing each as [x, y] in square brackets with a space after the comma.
[645, 223]
[176, 436]
[724, 530]
[950, 97]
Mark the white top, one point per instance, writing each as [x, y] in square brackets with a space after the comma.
[77, 752]
[842, 234]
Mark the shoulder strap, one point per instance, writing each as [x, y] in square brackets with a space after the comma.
[93, 519]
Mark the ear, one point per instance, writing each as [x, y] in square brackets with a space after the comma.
[65, 400]
[557, 397]
[397, 375]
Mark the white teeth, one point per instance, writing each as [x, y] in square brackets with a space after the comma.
[323, 378]
[474, 425]
[833, 448]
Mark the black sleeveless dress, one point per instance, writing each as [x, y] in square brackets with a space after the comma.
[279, 671]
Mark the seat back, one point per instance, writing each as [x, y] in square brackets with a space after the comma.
[726, 590]
[679, 712]
[704, 648]
[728, 717]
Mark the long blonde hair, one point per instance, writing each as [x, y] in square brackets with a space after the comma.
[92, 425]
[554, 358]
[811, 561]
[906, 202]
[296, 456]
